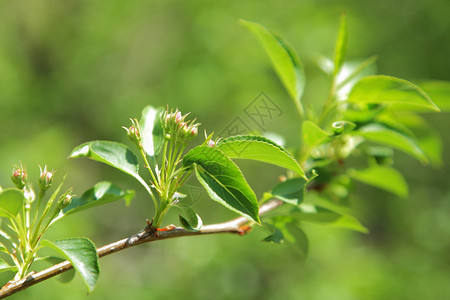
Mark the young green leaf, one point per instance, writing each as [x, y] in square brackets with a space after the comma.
[114, 154]
[276, 235]
[223, 181]
[386, 178]
[439, 92]
[331, 219]
[284, 60]
[152, 132]
[313, 135]
[4, 266]
[189, 219]
[341, 45]
[355, 71]
[64, 277]
[259, 148]
[428, 139]
[394, 92]
[291, 191]
[383, 135]
[82, 255]
[295, 235]
[11, 202]
[102, 193]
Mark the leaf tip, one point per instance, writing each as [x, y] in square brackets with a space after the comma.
[80, 151]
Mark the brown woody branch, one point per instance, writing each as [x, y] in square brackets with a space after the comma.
[238, 225]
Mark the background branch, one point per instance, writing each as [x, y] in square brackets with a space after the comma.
[238, 225]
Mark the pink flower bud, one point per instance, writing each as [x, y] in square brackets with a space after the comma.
[45, 179]
[194, 131]
[211, 143]
[64, 201]
[134, 133]
[178, 117]
[19, 177]
[168, 117]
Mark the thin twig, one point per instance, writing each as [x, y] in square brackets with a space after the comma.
[237, 226]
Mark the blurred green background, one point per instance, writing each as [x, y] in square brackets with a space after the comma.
[76, 70]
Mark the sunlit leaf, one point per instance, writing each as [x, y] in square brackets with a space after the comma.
[284, 60]
[82, 255]
[259, 148]
[394, 92]
[341, 45]
[152, 132]
[114, 154]
[11, 202]
[351, 72]
[383, 135]
[222, 180]
[102, 193]
[383, 177]
[439, 92]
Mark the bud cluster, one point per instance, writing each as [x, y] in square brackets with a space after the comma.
[46, 178]
[19, 177]
[176, 126]
[65, 200]
[134, 133]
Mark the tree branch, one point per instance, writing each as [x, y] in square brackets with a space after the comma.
[238, 226]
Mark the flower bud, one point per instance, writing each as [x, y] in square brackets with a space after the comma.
[64, 201]
[211, 143]
[29, 194]
[194, 131]
[182, 125]
[134, 133]
[45, 179]
[178, 117]
[19, 177]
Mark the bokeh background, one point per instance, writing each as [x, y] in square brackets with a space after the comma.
[77, 70]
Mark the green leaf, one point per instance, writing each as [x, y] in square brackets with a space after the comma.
[295, 235]
[439, 92]
[331, 219]
[386, 178]
[4, 266]
[65, 277]
[11, 202]
[291, 191]
[353, 71]
[313, 135]
[102, 193]
[189, 219]
[428, 138]
[394, 92]
[114, 154]
[82, 255]
[383, 135]
[341, 45]
[276, 235]
[223, 181]
[284, 60]
[152, 132]
[259, 148]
